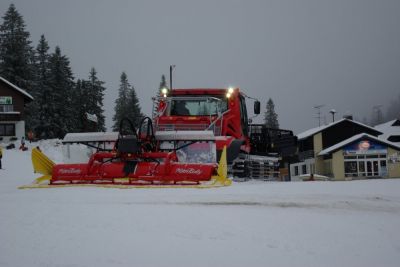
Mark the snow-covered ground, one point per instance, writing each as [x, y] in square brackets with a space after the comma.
[247, 224]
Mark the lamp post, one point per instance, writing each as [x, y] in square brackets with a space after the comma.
[171, 68]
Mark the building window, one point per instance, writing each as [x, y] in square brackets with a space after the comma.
[383, 168]
[7, 130]
[361, 168]
[350, 169]
[368, 166]
[296, 170]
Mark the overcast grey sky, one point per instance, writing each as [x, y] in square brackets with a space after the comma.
[301, 53]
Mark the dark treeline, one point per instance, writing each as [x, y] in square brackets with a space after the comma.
[61, 104]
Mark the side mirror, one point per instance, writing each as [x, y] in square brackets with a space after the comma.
[257, 107]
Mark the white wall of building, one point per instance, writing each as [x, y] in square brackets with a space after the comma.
[305, 167]
[19, 129]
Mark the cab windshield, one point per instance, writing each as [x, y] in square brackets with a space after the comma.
[197, 106]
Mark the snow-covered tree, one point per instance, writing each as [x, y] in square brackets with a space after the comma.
[81, 92]
[16, 52]
[270, 117]
[98, 96]
[61, 100]
[38, 109]
[127, 104]
[91, 95]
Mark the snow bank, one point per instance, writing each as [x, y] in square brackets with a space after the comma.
[248, 224]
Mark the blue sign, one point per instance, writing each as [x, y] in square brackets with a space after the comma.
[365, 147]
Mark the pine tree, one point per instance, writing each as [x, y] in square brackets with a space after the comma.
[127, 104]
[95, 100]
[38, 109]
[62, 99]
[81, 93]
[163, 84]
[16, 53]
[134, 110]
[270, 117]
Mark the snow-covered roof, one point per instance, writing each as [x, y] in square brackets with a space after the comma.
[90, 137]
[390, 128]
[17, 88]
[333, 148]
[316, 130]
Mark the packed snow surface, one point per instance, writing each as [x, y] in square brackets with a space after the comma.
[247, 224]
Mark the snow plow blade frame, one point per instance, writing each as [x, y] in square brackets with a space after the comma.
[42, 164]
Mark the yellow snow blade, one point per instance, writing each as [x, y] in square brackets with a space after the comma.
[219, 180]
[222, 178]
[41, 163]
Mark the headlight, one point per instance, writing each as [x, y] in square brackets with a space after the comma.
[164, 92]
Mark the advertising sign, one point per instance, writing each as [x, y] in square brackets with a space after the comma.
[5, 100]
[365, 147]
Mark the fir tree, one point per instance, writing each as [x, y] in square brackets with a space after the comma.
[163, 84]
[62, 98]
[39, 113]
[271, 118]
[16, 53]
[127, 104]
[134, 110]
[81, 92]
[95, 100]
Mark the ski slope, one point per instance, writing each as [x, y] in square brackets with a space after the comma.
[247, 224]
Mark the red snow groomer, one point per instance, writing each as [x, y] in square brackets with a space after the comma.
[253, 150]
[199, 136]
[136, 161]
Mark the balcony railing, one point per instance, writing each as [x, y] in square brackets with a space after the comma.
[6, 108]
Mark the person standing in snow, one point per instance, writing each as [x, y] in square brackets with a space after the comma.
[30, 136]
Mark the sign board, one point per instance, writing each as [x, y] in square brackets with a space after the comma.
[365, 147]
[5, 100]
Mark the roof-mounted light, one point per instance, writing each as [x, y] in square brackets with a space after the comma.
[164, 91]
[230, 90]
